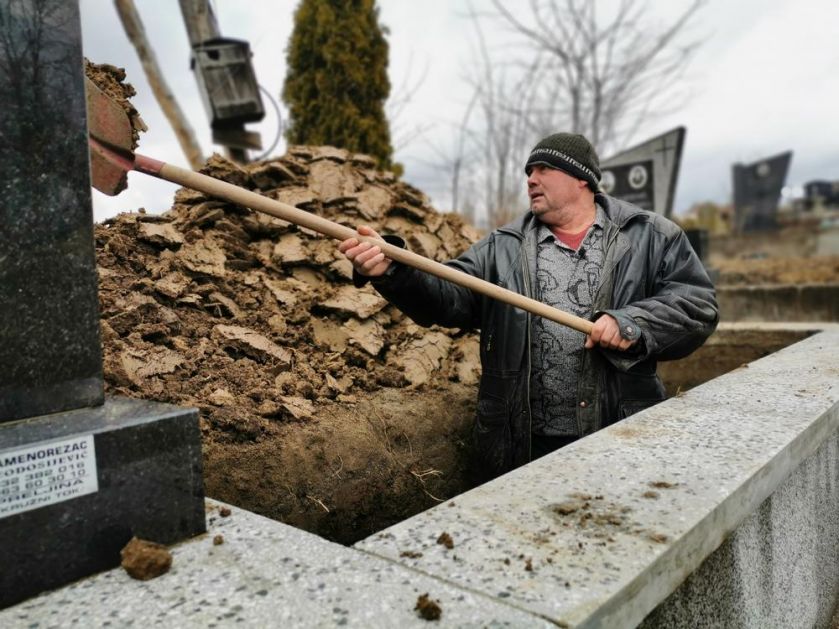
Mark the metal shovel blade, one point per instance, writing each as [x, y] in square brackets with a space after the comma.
[108, 125]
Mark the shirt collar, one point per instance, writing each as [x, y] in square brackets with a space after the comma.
[544, 233]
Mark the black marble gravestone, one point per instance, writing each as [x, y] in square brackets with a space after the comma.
[79, 474]
[646, 174]
[757, 192]
[50, 358]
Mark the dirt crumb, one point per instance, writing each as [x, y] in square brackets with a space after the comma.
[663, 484]
[658, 538]
[224, 512]
[446, 540]
[145, 560]
[568, 507]
[218, 540]
[650, 494]
[427, 608]
[410, 554]
[528, 565]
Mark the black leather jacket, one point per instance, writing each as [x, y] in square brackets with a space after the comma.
[652, 283]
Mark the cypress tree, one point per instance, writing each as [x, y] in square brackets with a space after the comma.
[336, 83]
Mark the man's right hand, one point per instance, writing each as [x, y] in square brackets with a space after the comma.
[366, 258]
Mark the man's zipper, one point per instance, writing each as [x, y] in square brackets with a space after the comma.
[609, 249]
[526, 268]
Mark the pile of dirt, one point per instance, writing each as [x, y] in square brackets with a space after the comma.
[777, 270]
[320, 404]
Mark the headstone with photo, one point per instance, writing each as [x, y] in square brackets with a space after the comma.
[80, 474]
[757, 191]
[646, 174]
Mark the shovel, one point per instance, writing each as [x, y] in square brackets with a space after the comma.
[111, 158]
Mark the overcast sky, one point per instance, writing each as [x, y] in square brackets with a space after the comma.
[766, 80]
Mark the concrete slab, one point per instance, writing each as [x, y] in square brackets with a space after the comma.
[785, 302]
[264, 574]
[599, 533]
[779, 568]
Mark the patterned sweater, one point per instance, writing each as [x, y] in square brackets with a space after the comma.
[568, 280]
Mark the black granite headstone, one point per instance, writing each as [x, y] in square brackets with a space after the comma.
[757, 191]
[50, 356]
[79, 475]
[646, 174]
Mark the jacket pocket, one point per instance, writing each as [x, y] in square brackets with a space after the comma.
[492, 432]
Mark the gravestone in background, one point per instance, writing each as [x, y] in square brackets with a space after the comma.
[646, 174]
[79, 474]
[757, 191]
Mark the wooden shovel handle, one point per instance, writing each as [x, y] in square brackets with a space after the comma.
[235, 194]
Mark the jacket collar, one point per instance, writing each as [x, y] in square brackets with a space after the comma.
[619, 212]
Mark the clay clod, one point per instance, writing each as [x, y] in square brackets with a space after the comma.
[145, 560]
[446, 540]
[427, 608]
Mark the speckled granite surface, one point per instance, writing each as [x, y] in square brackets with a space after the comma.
[780, 567]
[264, 574]
[602, 531]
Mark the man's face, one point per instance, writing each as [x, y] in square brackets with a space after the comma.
[551, 190]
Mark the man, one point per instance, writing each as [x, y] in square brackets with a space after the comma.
[631, 271]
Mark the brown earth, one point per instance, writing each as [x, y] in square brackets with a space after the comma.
[320, 404]
[145, 560]
[111, 80]
[780, 270]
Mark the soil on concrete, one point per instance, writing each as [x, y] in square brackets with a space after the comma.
[320, 404]
[145, 560]
[782, 270]
[427, 608]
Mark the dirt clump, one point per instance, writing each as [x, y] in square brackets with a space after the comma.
[145, 560]
[111, 80]
[445, 540]
[427, 608]
[320, 404]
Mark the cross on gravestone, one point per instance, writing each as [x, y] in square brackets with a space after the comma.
[646, 173]
[80, 474]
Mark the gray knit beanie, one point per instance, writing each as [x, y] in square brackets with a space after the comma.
[570, 153]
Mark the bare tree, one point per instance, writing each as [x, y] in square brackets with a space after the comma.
[453, 159]
[399, 100]
[604, 77]
[568, 68]
[133, 26]
[498, 131]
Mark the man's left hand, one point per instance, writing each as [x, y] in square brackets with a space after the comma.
[606, 333]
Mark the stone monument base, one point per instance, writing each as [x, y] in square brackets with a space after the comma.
[76, 486]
